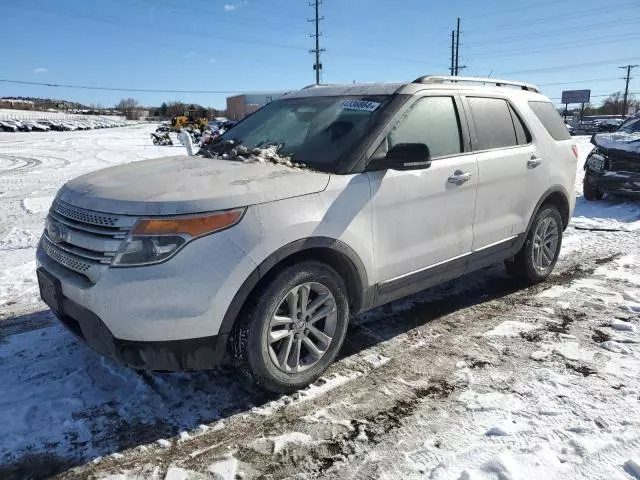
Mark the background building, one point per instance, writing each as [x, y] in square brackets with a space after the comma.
[239, 106]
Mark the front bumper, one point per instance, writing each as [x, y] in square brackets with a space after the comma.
[615, 183]
[169, 356]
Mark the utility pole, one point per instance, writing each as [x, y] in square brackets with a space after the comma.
[455, 68]
[453, 40]
[626, 88]
[455, 56]
[317, 66]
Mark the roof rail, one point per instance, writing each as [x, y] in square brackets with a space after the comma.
[492, 81]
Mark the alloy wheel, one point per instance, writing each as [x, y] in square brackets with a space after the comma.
[302, 327]
[545, 244]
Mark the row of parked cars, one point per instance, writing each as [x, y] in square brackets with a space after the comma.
[46, 125]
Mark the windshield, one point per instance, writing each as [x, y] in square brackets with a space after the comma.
[632, 126]
[315, 131]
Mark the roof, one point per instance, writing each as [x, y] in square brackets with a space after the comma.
[347, 89]
[422, 83]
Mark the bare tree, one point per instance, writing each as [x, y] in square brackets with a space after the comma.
[128, 106]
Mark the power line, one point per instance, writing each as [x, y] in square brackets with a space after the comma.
[208, 36]
[556, 32]
[517, 9]
[561, 46]
[569, 67]
[116, 89]
[579, 14]
[591, 80]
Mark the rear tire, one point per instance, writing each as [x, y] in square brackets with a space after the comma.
[289, 341]
[538, 256]
[590, 191]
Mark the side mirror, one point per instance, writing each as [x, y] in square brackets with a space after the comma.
[408, 156]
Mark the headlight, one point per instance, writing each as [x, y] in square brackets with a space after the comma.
[154, 240]
[596, 162]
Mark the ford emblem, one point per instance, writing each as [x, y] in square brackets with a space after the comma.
[57, 232]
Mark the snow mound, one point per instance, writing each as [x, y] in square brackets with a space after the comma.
[176, 473]
[572, 351]
[542, 463]
[615, 347]
[510, 328]
[269, 445]
[35, 205]
[622, 326]
[482, 402]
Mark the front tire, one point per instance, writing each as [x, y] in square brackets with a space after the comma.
[538, 256]
[297, 327]
[590, 191]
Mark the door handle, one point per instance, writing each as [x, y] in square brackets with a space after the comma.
[459, 177]
[533, 162]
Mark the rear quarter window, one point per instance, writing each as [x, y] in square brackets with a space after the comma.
[550, 119]
[493, 121]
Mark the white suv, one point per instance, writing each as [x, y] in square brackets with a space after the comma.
[238, 254]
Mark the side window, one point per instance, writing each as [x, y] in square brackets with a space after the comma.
[494, 125]
[430, 120]
[522, 133]
[551, 120]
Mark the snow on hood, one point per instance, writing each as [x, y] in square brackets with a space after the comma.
[627, 142]
[182, 184]
[256, 155]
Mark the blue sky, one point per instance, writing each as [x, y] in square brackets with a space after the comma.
[248, 45]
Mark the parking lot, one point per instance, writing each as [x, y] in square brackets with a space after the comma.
[477, 378]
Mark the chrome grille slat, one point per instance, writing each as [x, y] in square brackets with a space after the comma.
[95, 243]
[80, 252]
[82, 215]
[86, 241]
[64, 258]
[88, 228]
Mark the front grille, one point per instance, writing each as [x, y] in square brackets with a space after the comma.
[63, 258]
[619, 163]
[84, 241]
[84, 216]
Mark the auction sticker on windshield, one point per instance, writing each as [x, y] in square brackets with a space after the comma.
[361, 105]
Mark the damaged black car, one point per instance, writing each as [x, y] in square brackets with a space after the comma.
[613, 166]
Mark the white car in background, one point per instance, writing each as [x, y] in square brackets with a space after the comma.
[8, 126]
[38, 127]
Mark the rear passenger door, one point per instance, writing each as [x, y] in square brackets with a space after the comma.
[513, 173]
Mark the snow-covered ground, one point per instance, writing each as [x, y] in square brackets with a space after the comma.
[476, 379]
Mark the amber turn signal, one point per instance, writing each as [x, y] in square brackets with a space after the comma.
[194, 226]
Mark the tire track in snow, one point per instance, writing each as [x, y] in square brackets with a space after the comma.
[12, 164]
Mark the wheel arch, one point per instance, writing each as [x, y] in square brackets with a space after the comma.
[559, 198]
[335, 253]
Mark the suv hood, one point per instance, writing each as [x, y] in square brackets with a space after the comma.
[182, 184]
[622, 142]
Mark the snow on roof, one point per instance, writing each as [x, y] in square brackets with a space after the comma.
[348, 89]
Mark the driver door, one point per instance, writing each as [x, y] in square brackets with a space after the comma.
[423, 219]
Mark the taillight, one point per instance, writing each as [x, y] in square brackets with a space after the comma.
[574, 149]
